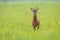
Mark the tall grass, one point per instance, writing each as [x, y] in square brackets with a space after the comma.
[16, 21]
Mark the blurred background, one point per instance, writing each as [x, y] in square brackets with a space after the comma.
[27, 0]
[16, 20]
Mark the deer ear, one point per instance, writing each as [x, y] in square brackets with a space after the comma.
[37, 8]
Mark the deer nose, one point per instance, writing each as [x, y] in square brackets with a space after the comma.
[35, 10]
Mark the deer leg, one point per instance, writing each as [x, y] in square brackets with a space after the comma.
[34, 28]
[37, 27]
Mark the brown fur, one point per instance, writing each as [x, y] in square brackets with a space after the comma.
[35, 22]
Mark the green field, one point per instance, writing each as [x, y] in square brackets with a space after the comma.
[16, 21]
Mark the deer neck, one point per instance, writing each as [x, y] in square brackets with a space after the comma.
[35, 17]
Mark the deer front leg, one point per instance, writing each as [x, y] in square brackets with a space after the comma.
[37, 27]
[34, 28]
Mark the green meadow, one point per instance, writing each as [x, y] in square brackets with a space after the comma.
[16, 21]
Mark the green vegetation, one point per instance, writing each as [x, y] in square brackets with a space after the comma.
[16, 21]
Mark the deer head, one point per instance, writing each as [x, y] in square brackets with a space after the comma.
[34, 10]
